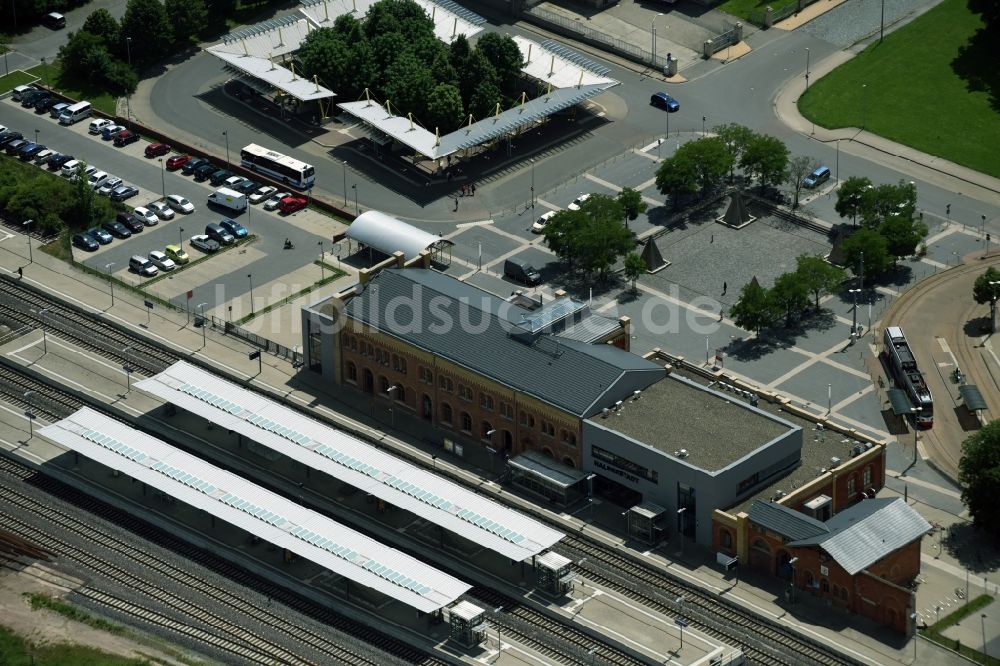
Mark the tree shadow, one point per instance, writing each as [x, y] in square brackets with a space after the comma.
[782, 335]
[976, 61]
[977, 326]
[976, 549]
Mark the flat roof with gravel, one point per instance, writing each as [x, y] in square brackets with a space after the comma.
[676, 413]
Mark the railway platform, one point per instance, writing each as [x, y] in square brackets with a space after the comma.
[105, 379]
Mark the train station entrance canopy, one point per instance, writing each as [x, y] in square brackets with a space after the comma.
[389, 235]
[244, 504]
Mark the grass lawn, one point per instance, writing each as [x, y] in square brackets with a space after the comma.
[914, 95]
[18, 651]
[744, 8]
[51, 74]
[14, 79]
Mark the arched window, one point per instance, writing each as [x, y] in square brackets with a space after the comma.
[547, 452]
[567, 437]
[866, 481]
[446, 414]
[352, 372]
[466, 422]
[569, 462]
[727, 539]
[383, 384]
[485, 431]
[398, 392]
[825, 586]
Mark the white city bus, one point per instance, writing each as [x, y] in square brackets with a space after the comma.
[286, 169]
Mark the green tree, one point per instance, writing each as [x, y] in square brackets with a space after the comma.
[634, 267]
[872, 245]
[104, 26]
[766, 159]
[189, 19]
[118, 78]
[590, 239]
[818, 276]
[146, 31]
[399, 16]
[880, 203]
[459, 52]
[754, 310]
[444, 108]
[798, 168]
[476, 72]
[409, 84]
[385, 49]
[505, 56]
[979, 474]
[737, 138]
[982, 290]
[484, 100]
[850, 195]
[788, 296]
[631, 203]
[902, 235]
[325, 54]
[697, 165]
[84, 56]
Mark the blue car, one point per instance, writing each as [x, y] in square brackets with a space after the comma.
[100, 235]
[819, 176]
[233, 227]
[665, 101]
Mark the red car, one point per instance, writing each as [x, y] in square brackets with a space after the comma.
[289, 205]
[157, 149]
[126, 137]
[177, 161]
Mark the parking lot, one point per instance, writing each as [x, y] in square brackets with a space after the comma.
[218, 281]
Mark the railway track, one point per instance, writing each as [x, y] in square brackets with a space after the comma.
[772, 641]
[946, 453]
[762, 641]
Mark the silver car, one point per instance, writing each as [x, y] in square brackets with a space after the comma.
[162, 261]
[109, 185]
[162, 210]
[180, 204]
[275, 200]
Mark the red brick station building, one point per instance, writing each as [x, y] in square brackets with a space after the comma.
[552, 392]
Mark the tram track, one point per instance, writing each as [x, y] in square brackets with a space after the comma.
[746, 620]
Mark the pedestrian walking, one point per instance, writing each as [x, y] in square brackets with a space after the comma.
[713, 239]
[462, 190]
[456, 203]
[20, 273]
[473, 188]
[725, 288]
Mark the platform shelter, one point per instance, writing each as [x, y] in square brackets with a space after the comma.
[259, 512]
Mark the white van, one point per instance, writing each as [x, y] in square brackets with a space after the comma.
[71, 168]
[19, 92]
[228, 199]
[75, 113]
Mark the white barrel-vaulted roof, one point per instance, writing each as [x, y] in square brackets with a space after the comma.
[387, 235]
[352, 461]
[258, 511]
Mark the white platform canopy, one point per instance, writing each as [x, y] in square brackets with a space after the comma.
[254, 51]
[450, 19]
[258, 511]
[387, 235]
[352, 461]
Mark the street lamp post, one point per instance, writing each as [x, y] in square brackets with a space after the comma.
[250, 278]
[792, 592]
[111, 284]
[993, 306]
[163, 182]
[914, 616]
[128, 98]
[45, 74]
[492, 451]
[345, 182]
[322, 254]
[703, 119]
[28, 414]
[532, 183]
[128, 370]
[982, 624]
[807, 68]
[225, 134]
[652, 55]
[496, 612]
[914, 411]
[180, 237]
[31, 258]
[41, 317]
[357, 209]
[854, 325]
[36, 136]
[201, 306]
[680, 526]
[392, 412]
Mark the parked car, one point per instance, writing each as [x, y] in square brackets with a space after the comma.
[142, 265]
[292, 204]
[233, 227]
[44, 105]
[156, 150]
[8, 136]
[125, 137]
[29, 98]
[204, 243]
[180, 204]
[191, 164]
[44, 156]
[275, 200]
[71, 169]
[162, 210]
[664, 101]
[117, 229]
[57, 109]
[98, 178]
[98, 126]
[30, 152]
[177, 254]
[204, 171]
[578, 202]
[233, 182]
[133, 225]
[217, 233]
[220, 176]
[146, 216]
[111, 131]
[262, 193]
[54, 21]
[543, 220]
[57, 161]
[819, 176]
[110, 185]
[100, 235]
[21, 91]
[247, 186]
[162, 261]
[85, 242]
[15, 146]
[3, 128]
[177, 161]
[123, 192]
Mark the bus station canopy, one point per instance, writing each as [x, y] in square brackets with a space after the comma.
[450, 19]
[972, 397]
[250, 507]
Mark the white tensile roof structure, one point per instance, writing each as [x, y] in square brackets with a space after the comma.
[450, 19]
[353, 461]
[246, 505]
[387, 234]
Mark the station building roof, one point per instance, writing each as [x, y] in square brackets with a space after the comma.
[353, 461]
[248, 506]
[699, 420]
[387, 234]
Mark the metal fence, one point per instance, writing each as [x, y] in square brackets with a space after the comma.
[726, 39]
[293, 356]
[564, 25]
[758, 17]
